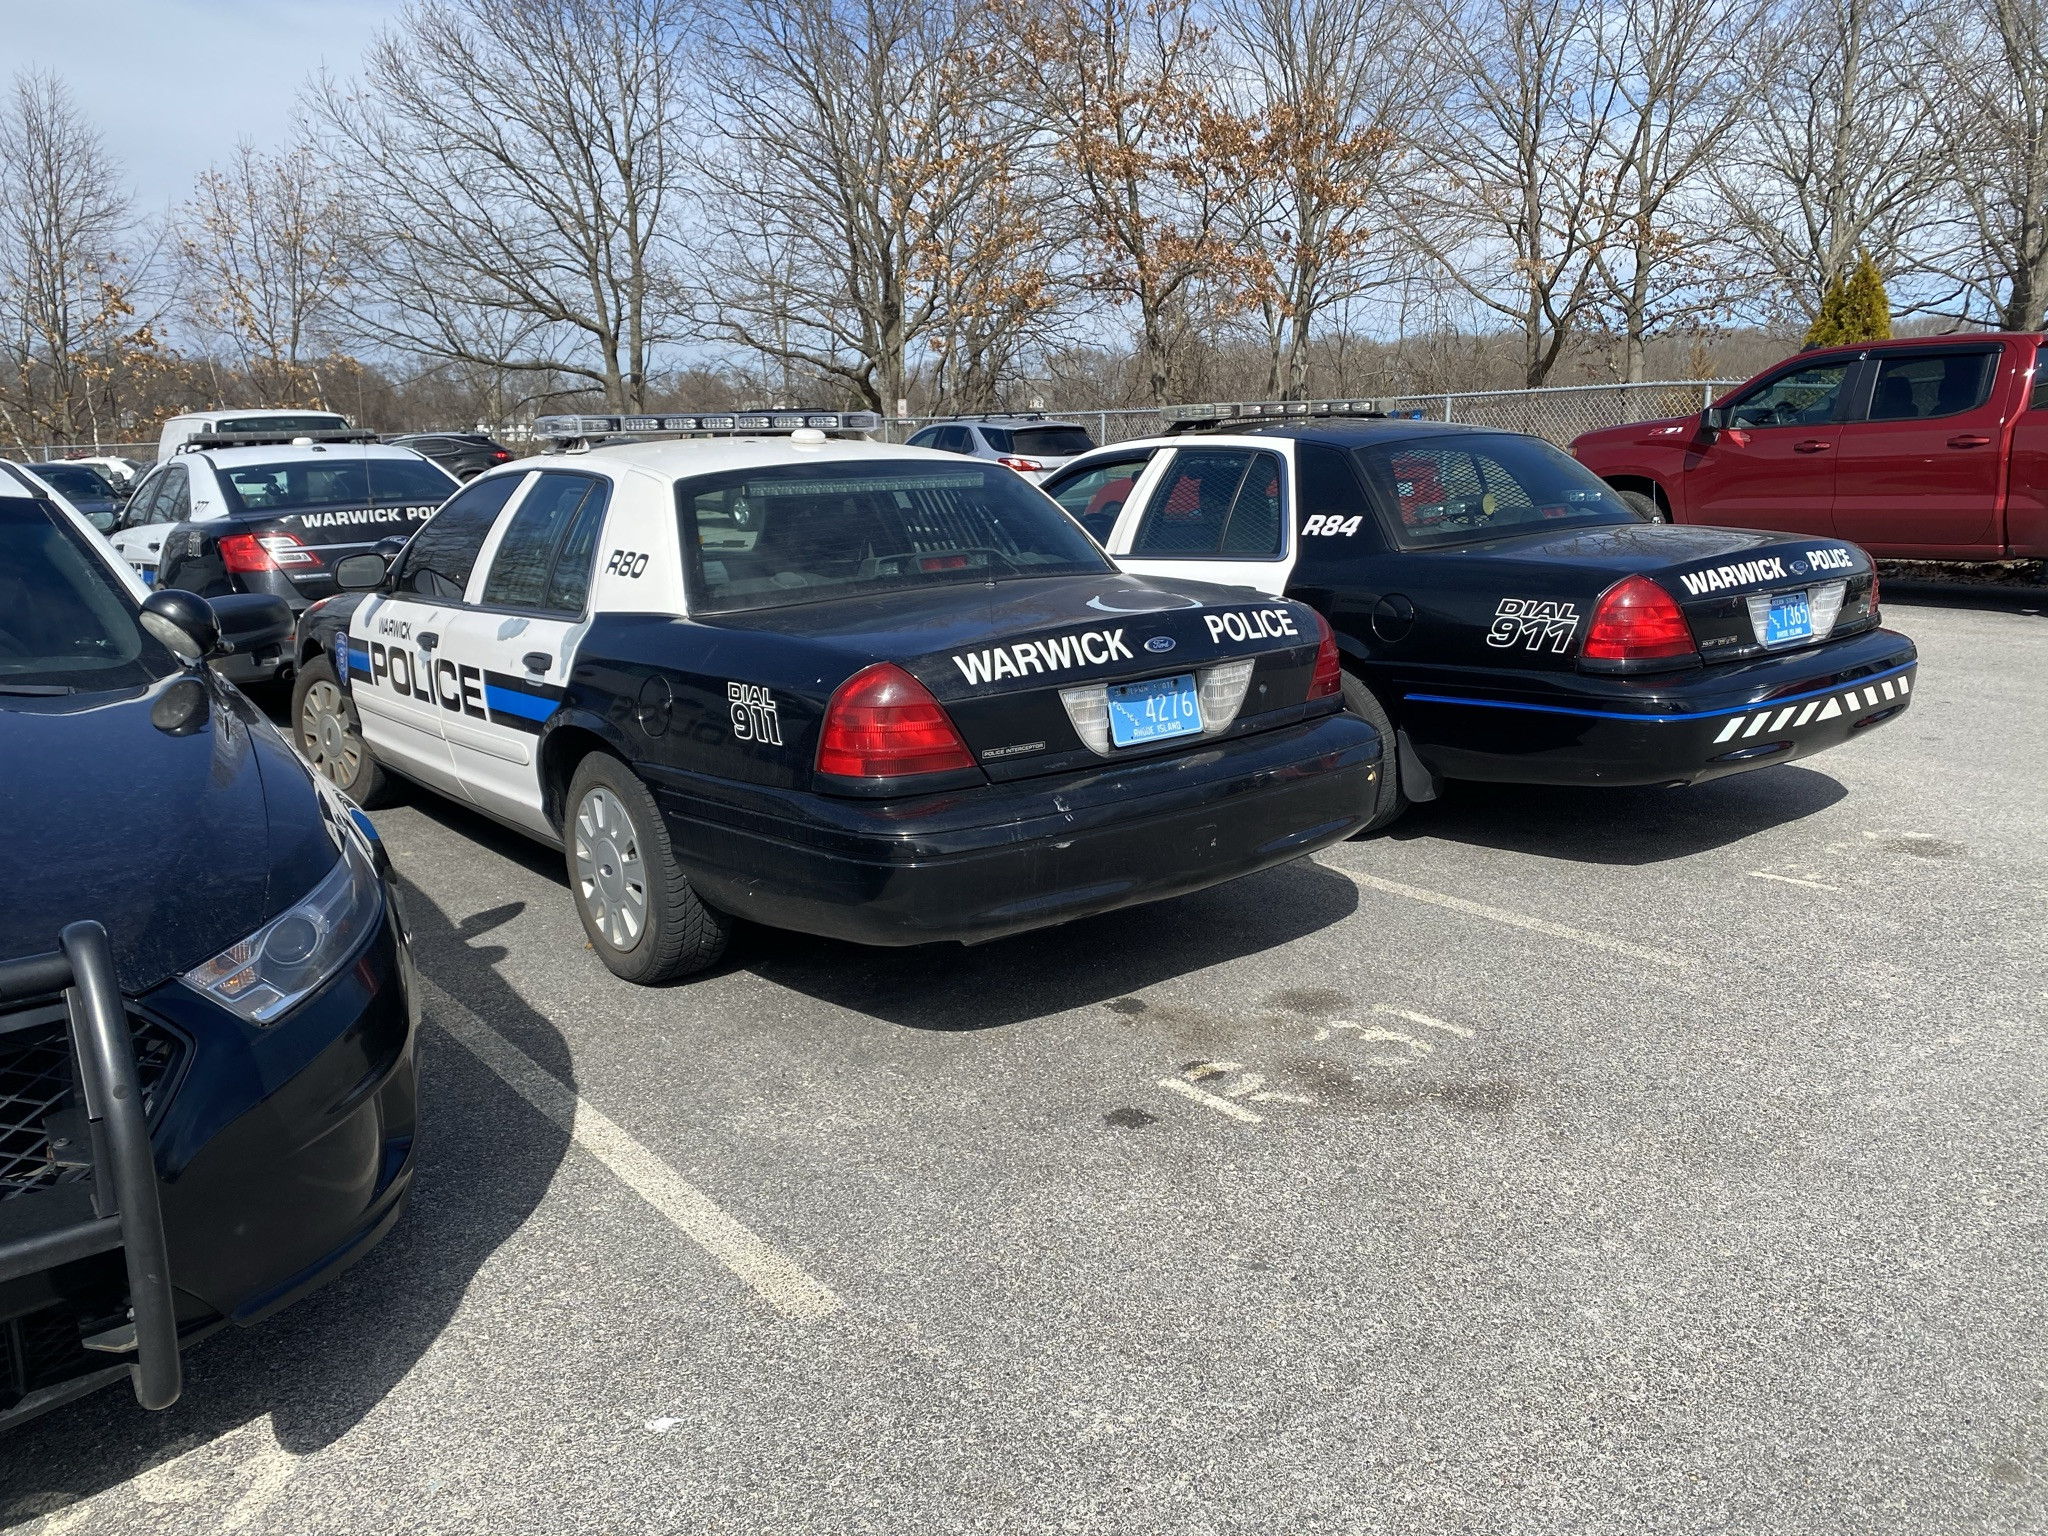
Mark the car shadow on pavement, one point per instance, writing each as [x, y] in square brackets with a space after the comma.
[986, 986]
[2026, 600]
[319, 1367]
[1620, 826]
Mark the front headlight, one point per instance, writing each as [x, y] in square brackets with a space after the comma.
[288, 957]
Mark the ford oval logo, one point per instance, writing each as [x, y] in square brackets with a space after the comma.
[1798, 567]
[1159, 643]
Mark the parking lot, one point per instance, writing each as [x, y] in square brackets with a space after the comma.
[1564, 1161]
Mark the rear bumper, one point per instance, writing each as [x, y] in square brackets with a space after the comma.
[1006, 858]
[1682, 729]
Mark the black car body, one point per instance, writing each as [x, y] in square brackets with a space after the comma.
[714, 614]
[256, 955]
[244, 513]
[465, 455]
[1500, 607]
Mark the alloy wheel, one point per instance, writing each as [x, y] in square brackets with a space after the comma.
[610, 874]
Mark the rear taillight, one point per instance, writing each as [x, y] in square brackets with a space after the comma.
[500, 456]
[247, 554]
[883, 723]
[1329, 677]
[1022, 466]
[1637, 620]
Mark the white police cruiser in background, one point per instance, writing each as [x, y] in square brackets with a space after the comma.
[836, 686]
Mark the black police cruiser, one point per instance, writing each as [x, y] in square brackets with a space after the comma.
[878, 693]
[206, 1018]
[1502, 613]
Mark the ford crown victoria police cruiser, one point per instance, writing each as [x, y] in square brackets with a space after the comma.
[1502, 614]
[878, 693]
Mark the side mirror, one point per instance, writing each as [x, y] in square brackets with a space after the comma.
[1715, 418]
[249, 621]
[103, 521]
[360, 573]
[184, 622]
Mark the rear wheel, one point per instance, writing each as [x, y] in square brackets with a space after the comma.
[1649, 508]
[1388, 801]
[636, 904]
[328, 731]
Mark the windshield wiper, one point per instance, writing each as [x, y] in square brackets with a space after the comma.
[37, 690]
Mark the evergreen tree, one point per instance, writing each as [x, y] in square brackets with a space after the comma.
[1855, 308]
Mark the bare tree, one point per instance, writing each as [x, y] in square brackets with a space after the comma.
[1677, 95]
[1508, 191]
[1331, 94]
[1830, 158]
[509, 167]
[260, 268]
[1981, 76]
[860, 199]
[65, 301]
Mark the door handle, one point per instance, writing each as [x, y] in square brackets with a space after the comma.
[1969, 440]
[537, 661]
[426, 639]
[1811, 445]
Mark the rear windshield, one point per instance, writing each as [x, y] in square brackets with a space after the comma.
[1039, 442]
[66, 625]
[339, 481]
[771, 538]
[1466, 487]
[75, 480]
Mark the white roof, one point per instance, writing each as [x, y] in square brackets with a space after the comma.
[284, 453]
[675, 458]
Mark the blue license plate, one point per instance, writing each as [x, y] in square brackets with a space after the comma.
[1155, 710]
[1790, 618]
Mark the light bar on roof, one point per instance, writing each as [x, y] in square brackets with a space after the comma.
[1274, 410]
[592, 428]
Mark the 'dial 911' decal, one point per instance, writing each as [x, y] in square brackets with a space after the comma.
[1533, 623]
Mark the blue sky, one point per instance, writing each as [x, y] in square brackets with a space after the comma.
[173, 83]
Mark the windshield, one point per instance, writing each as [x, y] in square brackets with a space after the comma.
[1039, 442]
[1464, 487]
[340, 481]
[770, 538]
[75, 480]
[66, 625]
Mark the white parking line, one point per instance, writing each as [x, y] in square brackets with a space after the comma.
[1513, 919]
[1222, 1106]
[1811, 885]
[774, 1277]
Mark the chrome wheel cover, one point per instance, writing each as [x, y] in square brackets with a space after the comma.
[610, 874]
[326, 737]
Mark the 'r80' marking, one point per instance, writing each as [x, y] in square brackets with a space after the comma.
[632, 564]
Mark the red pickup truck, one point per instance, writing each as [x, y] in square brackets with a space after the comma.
[1929, 449]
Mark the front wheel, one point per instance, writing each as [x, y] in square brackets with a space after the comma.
[1648, 508]
[1388, 801]
[330, 733]
[636, 904]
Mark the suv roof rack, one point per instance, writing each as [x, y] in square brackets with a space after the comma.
[276, 437]
[1215, 417]
[589, 431]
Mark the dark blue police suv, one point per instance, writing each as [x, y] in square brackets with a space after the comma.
[206, 1015]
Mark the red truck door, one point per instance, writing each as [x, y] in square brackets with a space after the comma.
[2026, 483]
[1922, 465]
[1773, 467]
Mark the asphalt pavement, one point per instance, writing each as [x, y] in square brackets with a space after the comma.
[1621, 1161]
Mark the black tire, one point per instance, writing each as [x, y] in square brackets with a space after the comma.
[614, 840]
[1389, 802]
[327, 729]
[1649, 508]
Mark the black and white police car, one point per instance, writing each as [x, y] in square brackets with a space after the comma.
[271, 509]
[1502, 614]
[877, 693]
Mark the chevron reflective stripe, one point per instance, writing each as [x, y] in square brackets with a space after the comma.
[1745, 725]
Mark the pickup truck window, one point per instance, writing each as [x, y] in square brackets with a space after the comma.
[1914, 386]
[1803, 397]
[1482, 486]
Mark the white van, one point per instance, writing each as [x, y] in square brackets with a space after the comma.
[180, 430]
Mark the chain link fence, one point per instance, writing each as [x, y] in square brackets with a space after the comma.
[39, 453]
[1560, 413]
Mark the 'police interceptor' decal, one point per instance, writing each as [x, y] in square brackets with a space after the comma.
[1531, 622]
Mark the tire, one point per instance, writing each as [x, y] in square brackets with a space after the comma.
[327, 729]
[1388, 802]
[1649, 508]
[643, 919]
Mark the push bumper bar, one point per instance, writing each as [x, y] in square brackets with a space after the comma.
[126, 1213]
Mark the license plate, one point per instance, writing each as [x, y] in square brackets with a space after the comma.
[1790, 618]
[1155, 710]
